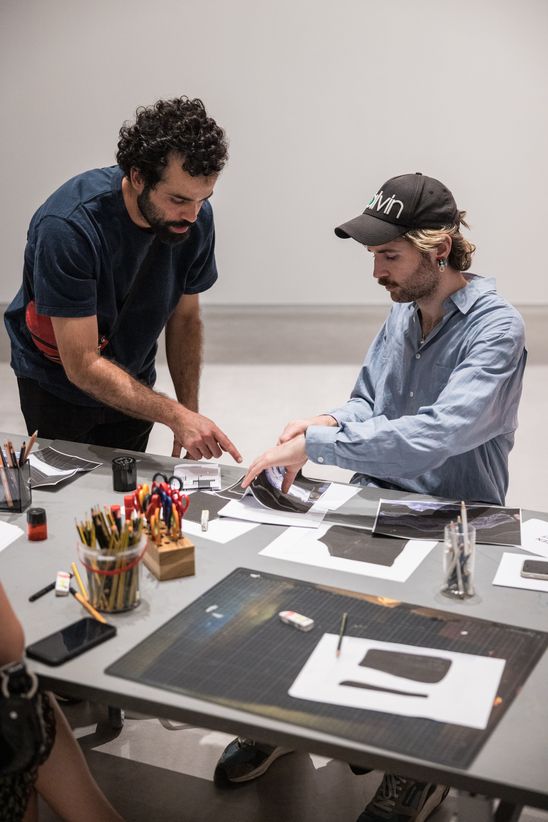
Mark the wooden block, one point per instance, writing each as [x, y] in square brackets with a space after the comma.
[170, 559]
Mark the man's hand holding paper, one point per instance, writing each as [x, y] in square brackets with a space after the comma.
[290, 455]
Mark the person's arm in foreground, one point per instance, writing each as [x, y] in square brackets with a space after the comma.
[64, 780]
[96, 375]
[184, 340]
[12, 639]
[66, 783]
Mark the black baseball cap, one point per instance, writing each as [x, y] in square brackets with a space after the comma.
[402, 204]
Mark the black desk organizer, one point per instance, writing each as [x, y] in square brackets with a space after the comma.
[15, 490]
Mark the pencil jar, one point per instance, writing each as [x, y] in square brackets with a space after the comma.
[113, 576]
[459, 561]
[15, 491]
[124, 474]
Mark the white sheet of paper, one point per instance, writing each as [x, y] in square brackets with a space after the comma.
[335, 496]
[508, 574]
[534, 537]
[464, 696]
[249, 509]
[219, 530]
[296, 545]
[8, 534]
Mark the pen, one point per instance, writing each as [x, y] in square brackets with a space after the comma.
[460, 553]
[42, 591]
[341, 633]
[89, 608]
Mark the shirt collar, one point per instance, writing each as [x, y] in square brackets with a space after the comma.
[465, 297]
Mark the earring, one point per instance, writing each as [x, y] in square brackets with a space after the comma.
[442, 264]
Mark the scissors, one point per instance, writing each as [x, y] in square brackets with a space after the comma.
[172, 482]
[181, 501]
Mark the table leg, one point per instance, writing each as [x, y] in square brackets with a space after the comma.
[115, 717]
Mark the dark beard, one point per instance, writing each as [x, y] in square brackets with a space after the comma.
[161, 228]
[423, 283]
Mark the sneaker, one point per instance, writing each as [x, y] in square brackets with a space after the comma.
[358, 770]
[244, 759]
[403, 800]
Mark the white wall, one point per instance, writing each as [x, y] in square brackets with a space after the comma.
[323, 100]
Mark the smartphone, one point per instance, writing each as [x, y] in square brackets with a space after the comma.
[70, 641]
[535, 569]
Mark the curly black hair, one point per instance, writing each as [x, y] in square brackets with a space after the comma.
[178, 126]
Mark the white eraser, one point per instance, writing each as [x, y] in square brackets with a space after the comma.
[299, 621]
[62, 584]
[205, 519]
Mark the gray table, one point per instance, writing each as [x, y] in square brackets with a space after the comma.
[513, 764]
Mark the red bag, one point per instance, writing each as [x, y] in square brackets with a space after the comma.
[41, 331]
[43, 336]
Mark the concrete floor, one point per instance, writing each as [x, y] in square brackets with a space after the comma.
[156, 770]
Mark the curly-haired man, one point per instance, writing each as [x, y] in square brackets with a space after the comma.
[112, 257]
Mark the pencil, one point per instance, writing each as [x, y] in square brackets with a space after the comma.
[89, 608]
[8, 454]
[464, 519]
[6, 487]
[78, 578]
[12, 453]
[341, 633]
[29, 446]
[9, 482]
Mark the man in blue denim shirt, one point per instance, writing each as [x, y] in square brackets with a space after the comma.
[434, 408]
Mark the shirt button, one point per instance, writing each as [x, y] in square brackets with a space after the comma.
[417, 356]
[320, 459]
[410, 393]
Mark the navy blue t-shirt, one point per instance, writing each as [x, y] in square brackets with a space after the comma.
[82, 254]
